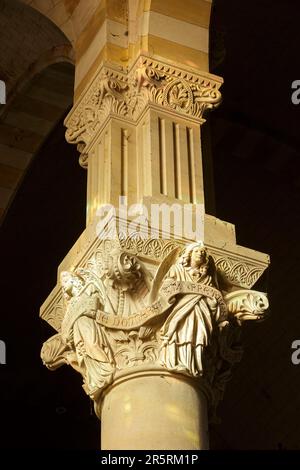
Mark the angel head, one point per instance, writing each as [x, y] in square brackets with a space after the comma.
[195, 256]
[72, 284]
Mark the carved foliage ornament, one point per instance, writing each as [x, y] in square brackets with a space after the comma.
[179, 321]
[126, 95]
[105, 96]
[181, 92]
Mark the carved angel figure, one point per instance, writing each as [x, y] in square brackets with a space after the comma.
[188, 328]
[82, 342]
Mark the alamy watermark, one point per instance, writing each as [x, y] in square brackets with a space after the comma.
[156, 221]
[2, 352]
[296, 354]
[296, 94]
[2, 92]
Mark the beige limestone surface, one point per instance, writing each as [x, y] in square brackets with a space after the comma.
[128, 306]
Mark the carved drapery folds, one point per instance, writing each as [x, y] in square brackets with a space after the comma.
[127, 93]
[118, 317]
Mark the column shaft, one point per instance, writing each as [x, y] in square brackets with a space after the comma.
[154, 412]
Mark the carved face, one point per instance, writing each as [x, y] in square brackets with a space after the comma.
[71, 283]
[198, 256]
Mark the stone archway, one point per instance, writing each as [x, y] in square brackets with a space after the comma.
[30, 118]
[70, 16]
[39, 79]
[59, 12]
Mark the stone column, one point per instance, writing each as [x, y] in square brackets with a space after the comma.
[152, 409]
[149, 316]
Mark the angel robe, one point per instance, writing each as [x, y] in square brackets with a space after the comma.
[188, 328]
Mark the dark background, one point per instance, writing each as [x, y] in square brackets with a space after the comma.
[254, 142]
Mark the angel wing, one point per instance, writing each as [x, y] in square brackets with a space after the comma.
[92, 282]
[162, 270]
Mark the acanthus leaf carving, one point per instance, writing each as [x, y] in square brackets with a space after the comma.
[105, 96]
[184, 93]
[126, 93]
[246, 305]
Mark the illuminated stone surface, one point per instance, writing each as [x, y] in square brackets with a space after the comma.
[151, 324]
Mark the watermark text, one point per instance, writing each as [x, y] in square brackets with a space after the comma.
[153, 221]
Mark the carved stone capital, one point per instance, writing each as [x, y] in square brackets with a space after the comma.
[126, 93]
[118, 317]
[105, 96]
[177, 90]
